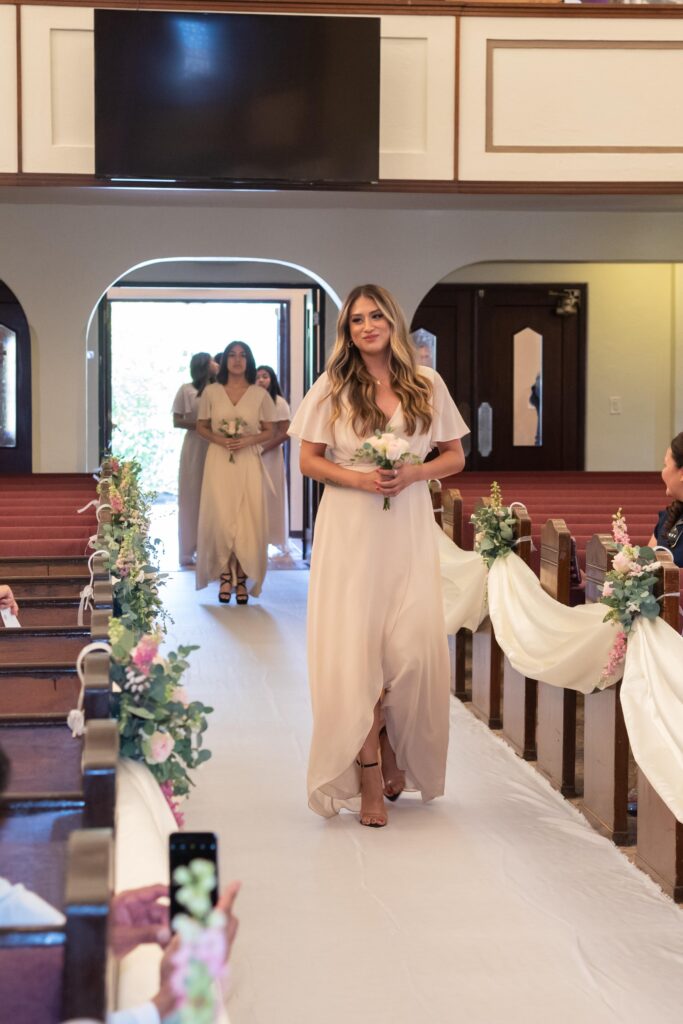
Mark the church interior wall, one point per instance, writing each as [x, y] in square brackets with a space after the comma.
[59, 257]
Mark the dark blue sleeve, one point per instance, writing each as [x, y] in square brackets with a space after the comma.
[660, 523]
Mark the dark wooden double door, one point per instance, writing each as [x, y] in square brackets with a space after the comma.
[475, 328]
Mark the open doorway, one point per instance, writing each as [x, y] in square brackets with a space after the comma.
[153, 319]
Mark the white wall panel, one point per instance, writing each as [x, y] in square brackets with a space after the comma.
[58, 90]
[8, 90]
[570, 100]
[417, 98]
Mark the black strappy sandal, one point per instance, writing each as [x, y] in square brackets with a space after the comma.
[371, 824]
[225, 589]
[241, 598]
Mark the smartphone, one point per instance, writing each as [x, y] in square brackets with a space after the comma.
[184, 847]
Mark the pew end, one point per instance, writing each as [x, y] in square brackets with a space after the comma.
[556, 723]
[519, 692]
[606, 746]
[659, 847]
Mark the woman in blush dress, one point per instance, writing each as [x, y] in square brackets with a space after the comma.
[235, 416]
[274, 462]
[377, 647]
[203, 369]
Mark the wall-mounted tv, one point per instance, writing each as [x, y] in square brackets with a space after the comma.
[236, 98]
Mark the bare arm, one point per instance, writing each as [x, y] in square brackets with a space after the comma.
[279, 435]
[183, 422]
[388, 482]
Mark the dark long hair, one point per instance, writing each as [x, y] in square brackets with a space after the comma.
[199, 370]
[250, 373]
[675, 510]
[274, 388]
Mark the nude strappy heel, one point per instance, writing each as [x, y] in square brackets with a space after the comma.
[381, 819]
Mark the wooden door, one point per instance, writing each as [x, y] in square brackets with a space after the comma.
[15, 386]
[482, 331]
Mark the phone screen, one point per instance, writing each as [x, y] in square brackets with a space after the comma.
[184, 847]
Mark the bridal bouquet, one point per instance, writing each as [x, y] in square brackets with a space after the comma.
[628, 588]
[233, 428]
[387, 451]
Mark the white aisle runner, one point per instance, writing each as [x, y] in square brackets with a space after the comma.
[497, 903]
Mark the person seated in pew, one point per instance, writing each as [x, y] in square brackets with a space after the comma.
[7, 599]
[668, 532]
[136, 916]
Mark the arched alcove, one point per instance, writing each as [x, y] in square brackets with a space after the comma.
[15, 386]
[310, 305]
[633, 368]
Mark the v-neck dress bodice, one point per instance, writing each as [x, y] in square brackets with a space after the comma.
[375, 612]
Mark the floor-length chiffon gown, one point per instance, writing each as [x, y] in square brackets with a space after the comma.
[276, 496]
[375, 613]
[232, 512]
[190, 473]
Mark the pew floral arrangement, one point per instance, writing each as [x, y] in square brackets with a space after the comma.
[386, 450]
[133, 556]
[628, 589]
[494, 527]
[158, 723]
[200, 960]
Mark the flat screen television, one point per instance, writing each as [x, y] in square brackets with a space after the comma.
[238, 98]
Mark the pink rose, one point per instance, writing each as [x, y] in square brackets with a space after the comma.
[621, 562]
[158, 747]
[116, 503]
[180, 696]
[607, 589]
[144, 653]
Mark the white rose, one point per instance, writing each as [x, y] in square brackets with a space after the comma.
[394, 449]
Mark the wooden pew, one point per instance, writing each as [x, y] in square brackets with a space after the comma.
[50, 646]
[556, 714]
[58, 784]
[56, 973]
[606, 746]
[59, 609]
[487, 674]
[49, 693]
[659, 849]
[519, 692]
[53, 565]
[462, 663]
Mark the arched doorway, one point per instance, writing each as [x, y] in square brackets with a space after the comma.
[15, 386]
[303, 305]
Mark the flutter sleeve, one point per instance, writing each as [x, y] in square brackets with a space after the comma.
[204, 410]
[283, 410]
[312, 419]
[447, 423]
[268, 412]
[181, 402]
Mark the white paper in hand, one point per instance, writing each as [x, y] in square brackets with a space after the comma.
[10, 621]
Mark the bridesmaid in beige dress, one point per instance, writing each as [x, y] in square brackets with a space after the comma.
[377, 647]
[192, 454]
[232, 542]
[274, 462]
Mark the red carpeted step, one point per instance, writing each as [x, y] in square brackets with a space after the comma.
[44, 533]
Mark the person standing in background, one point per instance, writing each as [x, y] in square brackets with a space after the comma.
[235, 416]
[273, 458]
[203, 370]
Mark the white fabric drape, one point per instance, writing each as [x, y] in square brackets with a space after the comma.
[544, 639]
[569, 647]
[463, 584]
[652, 702]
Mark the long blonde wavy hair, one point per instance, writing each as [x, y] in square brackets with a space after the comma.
[349, 377]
